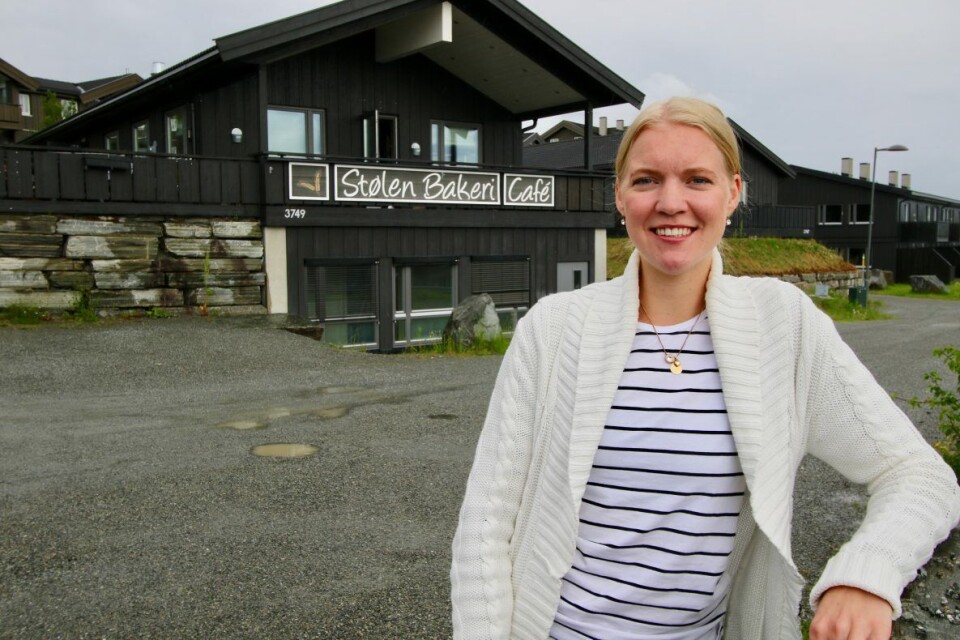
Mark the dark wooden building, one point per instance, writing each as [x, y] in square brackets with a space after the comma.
[380, 142]
[912, 232]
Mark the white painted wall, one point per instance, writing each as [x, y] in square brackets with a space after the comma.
[275, 261]
[599, 254]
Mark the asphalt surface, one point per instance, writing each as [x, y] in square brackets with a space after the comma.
[132, 503]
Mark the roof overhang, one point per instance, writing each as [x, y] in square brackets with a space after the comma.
[17, 76]
[499, 47]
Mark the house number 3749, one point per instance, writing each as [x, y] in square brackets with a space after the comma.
[299, 214]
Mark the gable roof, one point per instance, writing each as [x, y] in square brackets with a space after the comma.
[498, 46]
[17, 76]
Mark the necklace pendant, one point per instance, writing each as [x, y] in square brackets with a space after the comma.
[676, 367]
[669, 359]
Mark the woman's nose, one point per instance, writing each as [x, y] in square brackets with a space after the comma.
[671, 197]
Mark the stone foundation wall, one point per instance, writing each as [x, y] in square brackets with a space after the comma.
[841, 280]
[124, 265]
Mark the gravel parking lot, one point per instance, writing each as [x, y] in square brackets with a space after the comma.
[133, 502]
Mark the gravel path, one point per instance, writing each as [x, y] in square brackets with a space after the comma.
[132, 503]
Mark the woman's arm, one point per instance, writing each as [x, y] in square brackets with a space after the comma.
[856, 428]
[481, 591]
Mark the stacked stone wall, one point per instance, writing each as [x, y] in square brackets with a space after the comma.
[841, 280]
[132, 265]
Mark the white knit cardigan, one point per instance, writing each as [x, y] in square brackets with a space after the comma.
[791, 387]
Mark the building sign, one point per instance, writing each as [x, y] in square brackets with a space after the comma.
[426, 186]
[399, 185]
[525, 190]
[309, 181]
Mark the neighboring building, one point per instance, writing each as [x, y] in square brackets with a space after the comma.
[762, 171]
[380, 143]
[912, 232]
[21, 98]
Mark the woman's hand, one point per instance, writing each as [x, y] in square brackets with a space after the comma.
[848, 613]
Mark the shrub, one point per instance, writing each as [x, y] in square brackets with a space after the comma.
[944, 398]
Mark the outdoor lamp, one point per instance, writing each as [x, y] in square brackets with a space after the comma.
[873, 190]
[236, 135]
[415, 149]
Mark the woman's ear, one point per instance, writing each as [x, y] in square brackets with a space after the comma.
[616, 196]
[736, 188]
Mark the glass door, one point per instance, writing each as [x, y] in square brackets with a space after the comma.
[425, 296]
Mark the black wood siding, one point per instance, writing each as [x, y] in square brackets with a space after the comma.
[345, 80]
[762, 177]
[545, 247]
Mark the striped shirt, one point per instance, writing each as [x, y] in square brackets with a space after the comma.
[660, 509]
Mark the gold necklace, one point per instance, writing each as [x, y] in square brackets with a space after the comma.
[673, 360]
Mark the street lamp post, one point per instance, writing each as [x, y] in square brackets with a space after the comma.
[873, 190]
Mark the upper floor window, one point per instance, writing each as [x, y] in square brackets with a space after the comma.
[25, 104]
[295, 131]
[380, 136]
[4, 92]
[141, 136]
[111, 141]
[830, 214]
[176, 132]
[454, 143]
[68, 107]
[860, 213]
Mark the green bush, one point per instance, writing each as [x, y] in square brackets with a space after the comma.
[944, 398]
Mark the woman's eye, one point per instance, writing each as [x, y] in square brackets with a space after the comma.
[642, 180]
[700, 180]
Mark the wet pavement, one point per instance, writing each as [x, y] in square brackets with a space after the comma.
[200, 477]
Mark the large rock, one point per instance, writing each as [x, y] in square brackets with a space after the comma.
[876, 279]
[31, 245]
[217, 248]
[28, 224]
[474, 318]
[236, 228]
[121, 246]
[927, 284]
[106, 226]
[40, 299]
[23, 280]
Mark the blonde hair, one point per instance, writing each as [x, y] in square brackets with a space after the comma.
[692, 112]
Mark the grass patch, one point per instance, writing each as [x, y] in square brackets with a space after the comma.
[18, 315]
[903, 290]
[751, 257]
[496, 346]
[841, 309]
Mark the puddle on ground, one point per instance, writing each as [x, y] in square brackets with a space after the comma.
[243, 425]
[284, 450]
[334, 390]
[329, 413]
[443, 416]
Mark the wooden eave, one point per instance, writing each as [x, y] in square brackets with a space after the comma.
[760, 148]
[18, 76]
[552, 59]
[109, 88]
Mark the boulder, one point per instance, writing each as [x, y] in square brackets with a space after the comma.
[927, 284]
[474, 318]
[876, 279]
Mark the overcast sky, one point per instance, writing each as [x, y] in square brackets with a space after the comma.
[813, 80]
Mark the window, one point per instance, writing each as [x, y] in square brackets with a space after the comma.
[296, 131]
[860, 214]
[425, 295]
[176, 132]
[830, 214]
[380, 136]
[507, 282]
[111, 141]
[856, 255]
[25, 104]
[4, 92]
[454, 143]
[344, 297]
[141, 136]
[68, 107]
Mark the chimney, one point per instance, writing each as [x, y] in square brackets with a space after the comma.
[893, 178]
[158, 67]
[619, 125]
[905, 180]
[846, 167]
[603, 125]
[864, 170]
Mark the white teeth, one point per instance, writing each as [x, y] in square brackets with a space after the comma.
[673, 231]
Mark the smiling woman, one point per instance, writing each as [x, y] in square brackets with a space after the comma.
[635, 470]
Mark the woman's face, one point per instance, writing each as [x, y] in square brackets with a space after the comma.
[675, 194]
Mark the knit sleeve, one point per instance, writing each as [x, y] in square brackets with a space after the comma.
[481, 590]
[856, 428]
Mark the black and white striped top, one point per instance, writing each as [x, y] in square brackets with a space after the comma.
[661, 505]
